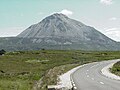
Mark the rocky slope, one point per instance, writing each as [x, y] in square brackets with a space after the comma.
[58, 31]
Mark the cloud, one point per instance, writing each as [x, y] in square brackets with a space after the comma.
[40, 13]
[106, 2]
[113, 19]
[111, 29]
[11, 31]
[21, 14]
[66, 12]
[113, 33]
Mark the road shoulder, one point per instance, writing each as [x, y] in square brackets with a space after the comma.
[106, 72]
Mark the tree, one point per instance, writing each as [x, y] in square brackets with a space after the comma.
[2, 52]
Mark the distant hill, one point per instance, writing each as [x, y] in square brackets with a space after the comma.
[59, 32]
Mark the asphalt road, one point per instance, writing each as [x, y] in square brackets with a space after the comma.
[90, 77]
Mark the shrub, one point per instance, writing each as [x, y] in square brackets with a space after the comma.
[2, 52]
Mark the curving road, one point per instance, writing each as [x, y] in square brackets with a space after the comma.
[90, 77]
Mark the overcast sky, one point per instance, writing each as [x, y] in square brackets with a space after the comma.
[17, 15]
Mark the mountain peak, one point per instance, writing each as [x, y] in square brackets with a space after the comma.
[59, 25]
[56, 25]
[58, 29]
[57, 16]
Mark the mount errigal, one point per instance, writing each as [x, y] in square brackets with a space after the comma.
[58, 31]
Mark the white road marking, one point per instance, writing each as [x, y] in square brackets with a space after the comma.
[74, 85]
[92, 66]
[92, 78]
[73, 82]
[88, 76]
[75, 88]
[101, 83]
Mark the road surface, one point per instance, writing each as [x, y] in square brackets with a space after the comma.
[90, 77]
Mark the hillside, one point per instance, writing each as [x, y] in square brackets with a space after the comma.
[58, 31]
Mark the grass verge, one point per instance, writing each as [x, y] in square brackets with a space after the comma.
[116, 68]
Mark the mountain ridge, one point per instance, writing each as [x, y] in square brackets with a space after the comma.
[58, 31]
[54, 22]
[60, 26]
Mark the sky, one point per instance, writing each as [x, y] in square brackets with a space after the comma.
[17, 15]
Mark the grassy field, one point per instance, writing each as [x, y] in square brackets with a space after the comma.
[116, 68]
[34, 70]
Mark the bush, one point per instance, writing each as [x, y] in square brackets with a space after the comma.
[2, 52]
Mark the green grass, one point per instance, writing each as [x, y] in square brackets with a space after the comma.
[116, 68]
[22, 70]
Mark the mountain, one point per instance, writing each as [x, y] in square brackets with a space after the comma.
[57, 25]
[58, 31]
